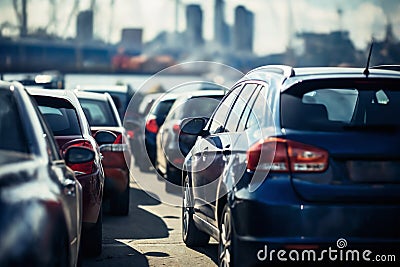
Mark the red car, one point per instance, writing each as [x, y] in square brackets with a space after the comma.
[105, 123]
[65, 117]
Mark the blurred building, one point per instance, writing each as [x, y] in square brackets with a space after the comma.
[221, 28]
[84, 30]
[327, 49]
[132, 40]
[243, 30]
[194, 25]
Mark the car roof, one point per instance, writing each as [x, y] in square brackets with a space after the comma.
[91, 95]
[289, 75]
[59, 93]
[104, 88]
[188, 95]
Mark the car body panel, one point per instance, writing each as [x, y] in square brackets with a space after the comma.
[355, 197]
[40, 198]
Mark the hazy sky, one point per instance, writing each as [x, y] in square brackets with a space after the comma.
[275, 20]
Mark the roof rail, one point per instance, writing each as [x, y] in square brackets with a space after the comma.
[284, 70]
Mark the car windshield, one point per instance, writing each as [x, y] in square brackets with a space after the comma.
[325, 109]
[98, 113]
[12, 137]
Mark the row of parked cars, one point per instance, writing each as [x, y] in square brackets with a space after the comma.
[289, 159]
[61, 152]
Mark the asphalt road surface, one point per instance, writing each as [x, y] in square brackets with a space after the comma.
[151, 234]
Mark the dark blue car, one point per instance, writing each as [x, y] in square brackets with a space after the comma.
[297, 159]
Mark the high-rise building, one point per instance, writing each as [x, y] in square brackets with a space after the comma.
[131, 39]
[221, 29]
[243, 32]
[194, 25]
[84, 30]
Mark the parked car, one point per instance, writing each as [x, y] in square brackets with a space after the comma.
[172, 145]
[296, 158]
[136, 129]
[121, 94]
[40, 199]
[154, 120]
[64, 115]
[103, 116]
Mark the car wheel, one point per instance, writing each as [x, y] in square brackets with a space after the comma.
[191, 235]
[119, 203]
[226, 239]
[92, 240]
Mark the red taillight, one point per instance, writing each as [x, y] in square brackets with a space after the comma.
[151, 126]
[118, 140]
[81, 168]
[176, 127]
[281, 155]
[130, 134]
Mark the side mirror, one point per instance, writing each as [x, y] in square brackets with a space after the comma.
[193, 126]
[78, 155]
[105, 137]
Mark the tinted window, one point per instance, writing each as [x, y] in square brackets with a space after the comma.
[98, 113]
[196, 107]
[336, 109]
[12, 135]
[239, 107]
[62, 121]
[218, 119]
[162, 108]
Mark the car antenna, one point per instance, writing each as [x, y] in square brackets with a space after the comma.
[366, 71]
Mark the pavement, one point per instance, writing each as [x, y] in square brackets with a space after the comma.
[151, 234]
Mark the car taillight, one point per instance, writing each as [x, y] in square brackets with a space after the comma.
[176, 128]
[151, 126]
[130, 134]
[81, 168]
[118, 140]
[281, 155]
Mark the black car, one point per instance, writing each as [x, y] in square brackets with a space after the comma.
[297, 159]
[153, 122]
[40, 198]
[121, 94]
[172, 145]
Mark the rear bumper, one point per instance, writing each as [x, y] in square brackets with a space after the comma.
[92, 195]
[116, 181]
[274, 217]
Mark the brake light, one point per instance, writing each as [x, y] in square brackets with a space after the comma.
[130, 134]
[118, 140]
[151, 126]
[281, 155]
[81, 168]
[176, 127]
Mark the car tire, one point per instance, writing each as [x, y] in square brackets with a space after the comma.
[191, 235]
[93, 238]
[226, 239]
[119, 203]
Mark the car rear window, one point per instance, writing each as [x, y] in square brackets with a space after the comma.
[163, 107]
[12, 137]
[98, 113]
[339, 108]
[202, 106]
